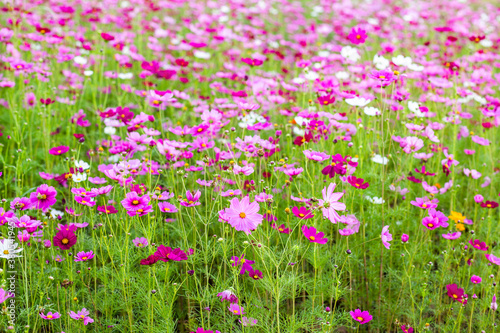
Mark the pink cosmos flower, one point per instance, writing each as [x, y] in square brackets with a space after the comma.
[302, 213]
[167, 207]
[231, 193]
[480, 141]
[313, 236]
[316, 156]
[357, 36]
[134, 202]
[361, 316]
[453, 235]
[191, 199]
[87, 201]
[386, 237]
[50, 315]
[228, 295]
[246, 170]
[412, 144]
[236, 309]
[84, 256]
[475, 279]
[165, 254]
[330, 203]
[83, 314]
[43, 197]
[243, 215]
[140, 242]
[493, 259]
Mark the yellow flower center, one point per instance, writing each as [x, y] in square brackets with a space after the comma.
[301, 215]
[312, 238]
[243, 215]
[6, 252]
[65, 241]
[135, 202]
[49, 316]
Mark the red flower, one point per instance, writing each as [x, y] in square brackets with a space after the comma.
[65, 239]
[43, 30]
[489, 204]
[152, 259]
[476, 39]
[181, 62]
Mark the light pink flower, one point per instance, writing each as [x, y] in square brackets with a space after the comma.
[243, 215]
[330, 203]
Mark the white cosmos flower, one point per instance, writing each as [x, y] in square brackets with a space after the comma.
[375, 200]
[298, 80]
[401, 60]
[380, 62]
[358, 101]
[415, 108]
[56, 213]
[342, 75]
[311, 76]
[80, 60]
[350, 53]
[82, 164]
[125, 76]
[8, 249]
[371, 111]
[380, 160]
[109, 130]
[250, 119]
[201, 55]
[88, 73]
[415, 67]
[79, 177]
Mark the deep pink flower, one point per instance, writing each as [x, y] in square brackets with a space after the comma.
[228, 295]
[478, 245]
[165, 253]
[65, 239]
[361, 316]
[357, 182]
[59, 150]
[84, 256]
[50, 315]
[43, 198]
[236, 309]
[302, 213]
[313, 236]
[489, 204]
[475, 279]
[191, 199]
[456, 293]
[281, 229]
[357, 36]
[134, 202]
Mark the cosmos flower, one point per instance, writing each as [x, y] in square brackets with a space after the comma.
[43, 198]
[243, 215]
[362, 317]
[330, 203]
[84, 256]
[313, 236]
[386, 237]
[83, 315]
[50, 315]
[236, 309]
[65, 239]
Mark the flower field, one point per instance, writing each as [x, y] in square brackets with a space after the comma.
[249, 166]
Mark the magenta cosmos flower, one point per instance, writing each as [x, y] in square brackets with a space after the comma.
[243, 215]
[476, 279]
[82, 315]
[165, 253]
[361, 316]
[134, 202]
[84, 256]
[59, 150]
[330, 203]
[386, 237]
[65, 239]
[478, 245]
[191, 199]
[357, 36]
[302, 213]
[43, 197]
[456, 293]
[313, 236]
[357, 182]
